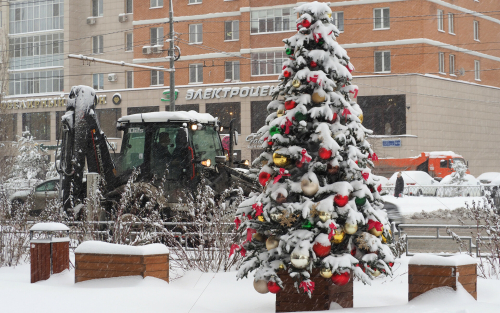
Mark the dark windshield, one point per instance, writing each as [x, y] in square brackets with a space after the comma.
[207, 144]
[133, 148]
[170, 149]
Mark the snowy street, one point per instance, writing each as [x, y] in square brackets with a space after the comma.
[197, 292]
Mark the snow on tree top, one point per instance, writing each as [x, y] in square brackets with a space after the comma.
[314, 8]
[182, 116]
[431, 259]
[49, 227]
[99, 247]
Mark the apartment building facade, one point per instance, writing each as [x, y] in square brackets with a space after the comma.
[426, 69]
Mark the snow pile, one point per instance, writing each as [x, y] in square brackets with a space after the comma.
[49, 227]
[431, 259]
[99, 247]
[411, 205]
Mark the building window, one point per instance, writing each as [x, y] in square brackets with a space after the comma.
[382, 61]
[232, 71]
[107, 120]
[269, 21]
[452, 64]
[185, 107]
[8, 127]
[196, 73]
[98, 81]
[129, 42]
[36, 82]
[338, 20]
[267, 63]
[36, 51]
[476, 30]
[138, 110]
[129, 75]
[385, 115]
[156, 35]
[232, 30]
[97, 7]
[477, 70]
[440, 19]
[97, 44]
[451, 23]
[195, 33]
[194, 1]
[157, 78]
[32, 16]
[38, 124]
[129, 6]
[441, 62]
[155, 3]
[381, 18]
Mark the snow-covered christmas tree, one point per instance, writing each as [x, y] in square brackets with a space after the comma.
[320, 206]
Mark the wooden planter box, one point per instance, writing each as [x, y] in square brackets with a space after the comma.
[424, 277]
[325, 292]
[90, 265]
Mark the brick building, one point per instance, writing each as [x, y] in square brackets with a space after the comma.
[427, 70]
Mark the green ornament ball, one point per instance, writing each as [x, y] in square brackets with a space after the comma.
[289, 51]
[274, 130]
[299, 116]
[360, 201]
[307, 224]
[321, 41]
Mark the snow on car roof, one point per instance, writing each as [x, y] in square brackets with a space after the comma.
[152, 117]
[489, 175]
[441, 154]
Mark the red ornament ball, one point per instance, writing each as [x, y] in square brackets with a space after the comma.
[340, 279]
[320, 250]
[391, 264]
[306, 23]
[341, 200]
[264, 177]
[287, 74]
[273, 287]
[324, 153]
[314, 64]
[290, 104]
[379, 188]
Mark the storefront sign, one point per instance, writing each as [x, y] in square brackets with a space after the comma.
[230, 92]
[41, 103]
[254, 141]
[391, 143]
[166, 95]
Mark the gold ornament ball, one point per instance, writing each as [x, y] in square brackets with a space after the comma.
[325, 273]
[299, 261]
[281, 267]
[272, 242]
[261, 218]
[360, 118]
[260, 286]
[281, 160]
[296, 83]
[384, 240]
[276, 216]
[339, 236]
[309, 188]
[316, 98]
[376, 273]
[329, 15]
[259, 237]
[376, 232]
[280, 113]
[350, 228]
[324, 216]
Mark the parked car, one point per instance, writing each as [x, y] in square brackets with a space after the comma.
[471, 187]
[47, 190]
[417, 183]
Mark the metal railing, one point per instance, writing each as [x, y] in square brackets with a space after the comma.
[438, 190]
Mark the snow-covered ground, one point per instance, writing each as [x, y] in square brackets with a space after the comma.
[197, 292]
[409, 205]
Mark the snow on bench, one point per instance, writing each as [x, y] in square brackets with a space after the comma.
[95, 259]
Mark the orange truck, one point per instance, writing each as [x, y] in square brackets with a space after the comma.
[437, 164]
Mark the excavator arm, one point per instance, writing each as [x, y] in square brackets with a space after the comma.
[82, 142]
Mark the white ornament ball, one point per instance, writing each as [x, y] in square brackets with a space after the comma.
[260, 286]
[309, 188]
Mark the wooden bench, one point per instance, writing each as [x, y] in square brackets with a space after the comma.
[95, 259]
[426, 272]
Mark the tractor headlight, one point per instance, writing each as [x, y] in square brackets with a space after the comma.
[194, 127]
[206, 162]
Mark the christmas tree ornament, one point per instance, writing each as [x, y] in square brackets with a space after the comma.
[274, 130]
[264, 178]
[260, 286]
[329, 15]
[334, 118]
[360, 201]
[307, 224]
[280, 113]
[264, 162]
[281, 267]
[317, 98]
[376, 273]
[280, 198]
[287, 74]
[338, 237]
[350, 228]
[324, 153]
[290, 104]
[287, 219]
[324, 216]
[365, 175]
[289, 51]
[308, 188]
[260, 218]
[299, 260]
[306, 23]
[360, 118]
[299, 116]
[313, 64]
[340, 200]
[332, 170]
[296, 83]
[272, 243]
[379, 188]
[275, 216]
[273, 287]
[259, 237]
[375, 228]
[341, 279]
[321, 250]
[391, 264]
[384, 240]
[281, 160]
[325, 273]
